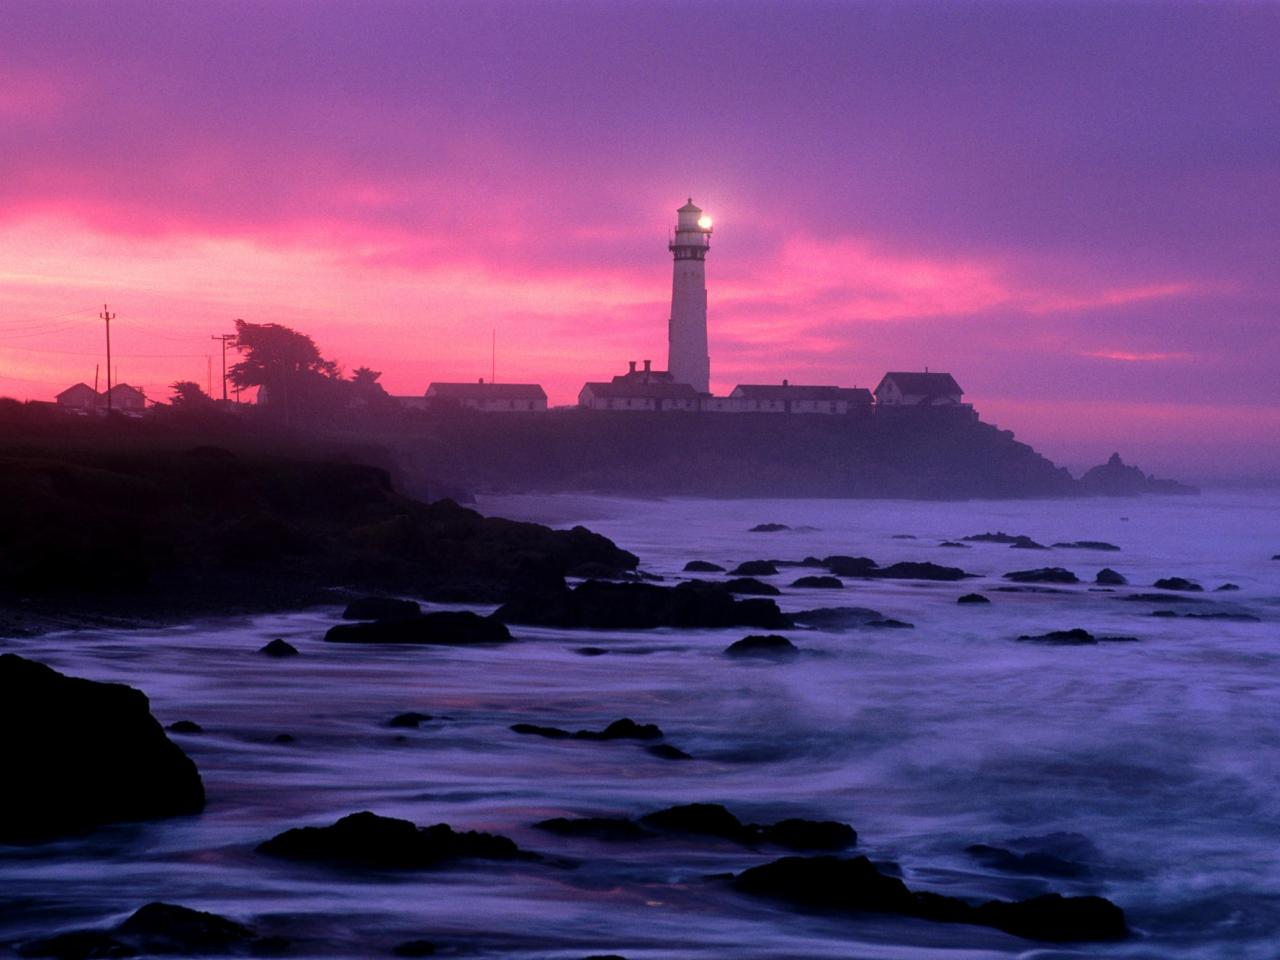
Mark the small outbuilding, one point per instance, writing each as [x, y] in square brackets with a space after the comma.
[488, 397]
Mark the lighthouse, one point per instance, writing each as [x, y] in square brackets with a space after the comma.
[687, 357]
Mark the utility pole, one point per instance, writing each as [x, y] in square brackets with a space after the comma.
[107, 316]
[493, 357]
[224, 337]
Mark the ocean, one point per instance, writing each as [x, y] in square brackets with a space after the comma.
[1150, 766]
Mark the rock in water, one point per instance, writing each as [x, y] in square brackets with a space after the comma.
[1042, 575]
[845, 566]
[768, 528]
[1109, 578]
[756, 568]
[445, 628]
[702, 566]
[158, 929]
[78, 753]
[1181, 584]
[622, 606]
[380, 608]
[279, 647]
[368, 840]
[920, 571]
[1086, 545]
[973, 598]
[819, 583]
[750, 586]
[769, 647]
[854, 885]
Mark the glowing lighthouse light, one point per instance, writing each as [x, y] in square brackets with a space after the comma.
[687, 357]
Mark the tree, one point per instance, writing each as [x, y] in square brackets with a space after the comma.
[188, 395]
[287, 368]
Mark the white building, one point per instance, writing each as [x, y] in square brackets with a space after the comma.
[688, 359]
[487, 397]
[638, 396]
[918, 390]
[798, 398]
[81, 398]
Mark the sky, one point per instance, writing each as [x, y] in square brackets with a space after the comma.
[1073, 207]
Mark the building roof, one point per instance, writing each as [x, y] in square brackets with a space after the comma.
[642, 391]
[788, 391]
[120, 388]
[76, 388]
[487, 391]
[924, 384]
[690, 207]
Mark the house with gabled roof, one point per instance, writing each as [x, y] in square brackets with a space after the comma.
[903, 389]
[78, 398]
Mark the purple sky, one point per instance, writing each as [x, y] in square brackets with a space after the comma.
[1074, 207]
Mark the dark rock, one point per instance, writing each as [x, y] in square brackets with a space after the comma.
[955, 545]
[1168, 614]
[1117, 479]
[854, 885]
[80, 753]
[803, 835]
[601, 605]
[1178, 583]
[409, 720]
[415, 948]
[80, 945]
[973, 598]
[1026, 543]
[750, 586]
[1160, 598]
[157, 929]
[613, 829]
[1086, 545]
[843, 566]
[1042, 575]
[185, 726]
[828, 882]
[279, 647]
[702, 566]
[168, 928]
[998, 537]
[1073, 638]
[770, 646]
[590, 651]
[920, 571]
[666, 751]
[1076, 637]
[768, 528]
[1036, 863]
[904, 536]
[367, 840]
[1227, 588]
[1109, 578]
[819, 583]
[284, 738]
[1055, 918]
[624, 729]
[604, 956]
[1275, 556]
[702, 819]
[445, 628]
[1224, 615]
[890, 624]
[837, 618]
[381, 608]
[595, 570]
[756, 568]
[535, 730]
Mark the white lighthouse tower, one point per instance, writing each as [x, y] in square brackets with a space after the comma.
[687, 357]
